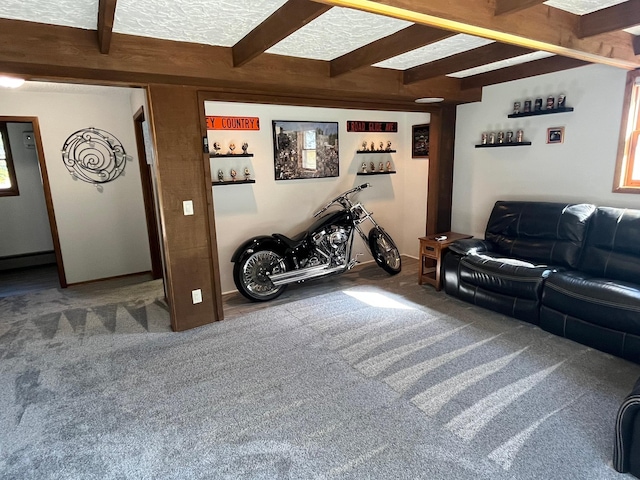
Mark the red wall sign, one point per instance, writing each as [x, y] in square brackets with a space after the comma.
[233, 123]
[383, 127]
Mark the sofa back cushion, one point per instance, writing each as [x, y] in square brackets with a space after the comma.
[612, 246]
[543, 232]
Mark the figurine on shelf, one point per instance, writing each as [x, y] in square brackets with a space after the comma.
[492, 138]
[389, 146]
[527, 106]
[364, 167]
[388, 166]
[516, 107]
[550, 103]
[247, 173]
[372, 167]
[245, 145]
[373, 147]
[509, 137]
[220, 176]
[484, 138]
[364, 146]
[216, 148]
[500, 137]
[538, 105]
[519, 136]
[382, 146]
[233, 175]
[381, 167]
[561, 100]
[232, 147]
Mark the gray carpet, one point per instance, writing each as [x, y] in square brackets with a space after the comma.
[386, 380]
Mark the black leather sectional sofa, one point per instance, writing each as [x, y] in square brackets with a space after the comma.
[572, 269]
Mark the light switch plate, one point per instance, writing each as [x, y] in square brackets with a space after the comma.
[187, 207]
[196, 295]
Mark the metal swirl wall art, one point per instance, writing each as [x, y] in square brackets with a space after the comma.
[94, 156]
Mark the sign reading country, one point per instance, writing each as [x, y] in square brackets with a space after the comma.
[382, 127]
[233, 123]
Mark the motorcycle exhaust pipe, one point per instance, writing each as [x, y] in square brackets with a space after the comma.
[304, 274]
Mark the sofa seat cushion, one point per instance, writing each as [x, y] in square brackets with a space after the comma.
[604, 302]
[503, 275]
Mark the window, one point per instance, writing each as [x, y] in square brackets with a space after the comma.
[8, 183]
[627, 177]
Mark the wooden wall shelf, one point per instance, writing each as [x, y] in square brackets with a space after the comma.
[541, 112]
[377, 173]
[512, 144]
[230, 155]
[231, 182]
[376, 151]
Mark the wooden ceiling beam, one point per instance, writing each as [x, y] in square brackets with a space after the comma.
[106, 16]
[493, 52]
[504, 7]
[636, 44]
[524, 70]
[292, 16]
[540, 27]
[55, 52]
[616, 17]
[407, 39]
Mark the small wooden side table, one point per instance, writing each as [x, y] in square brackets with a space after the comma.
[431, 252]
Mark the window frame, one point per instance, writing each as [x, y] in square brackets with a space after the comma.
[13, 191]
[629, 137]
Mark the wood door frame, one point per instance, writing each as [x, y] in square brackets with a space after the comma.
[148, 197]
[47, 191]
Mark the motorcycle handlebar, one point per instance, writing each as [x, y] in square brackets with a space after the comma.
[343, 195]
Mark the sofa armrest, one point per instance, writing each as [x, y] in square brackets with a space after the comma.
[627, 433]
[468, 246]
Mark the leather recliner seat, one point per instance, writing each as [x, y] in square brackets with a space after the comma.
[524, 243]
[598, 304]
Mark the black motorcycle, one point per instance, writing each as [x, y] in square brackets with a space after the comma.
[264, 265]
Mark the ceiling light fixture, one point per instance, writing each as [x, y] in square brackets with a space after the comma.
[11, 82]
[429, 100]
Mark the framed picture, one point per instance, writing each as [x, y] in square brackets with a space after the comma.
[555, 135]
[305, 149]
[420, 141]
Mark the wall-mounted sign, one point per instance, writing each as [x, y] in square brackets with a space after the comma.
[382, 127]
[233, 123]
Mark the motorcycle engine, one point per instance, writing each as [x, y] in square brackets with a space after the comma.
[331, 245]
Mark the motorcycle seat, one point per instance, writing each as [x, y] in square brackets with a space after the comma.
[291, 243]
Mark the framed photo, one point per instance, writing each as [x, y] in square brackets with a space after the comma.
[305, 149]
[555, 135]
[420, 141]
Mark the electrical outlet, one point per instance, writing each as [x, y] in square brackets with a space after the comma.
[187, 207]
[196, 295]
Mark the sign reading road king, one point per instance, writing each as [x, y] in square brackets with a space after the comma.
[233, 123]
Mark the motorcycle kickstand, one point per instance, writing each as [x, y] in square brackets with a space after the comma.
[354, 262]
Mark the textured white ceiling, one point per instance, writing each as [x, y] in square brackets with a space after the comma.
[435, 51]
[212, 22]
[70, 13]
[501, 64]
[582, 7]
[337, 32]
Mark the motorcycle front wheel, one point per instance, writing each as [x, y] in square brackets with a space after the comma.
[384, 251]
[250, 275]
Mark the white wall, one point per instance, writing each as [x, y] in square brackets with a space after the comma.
[579, 170]
[102, 234]
[286, 206]
[25, 224]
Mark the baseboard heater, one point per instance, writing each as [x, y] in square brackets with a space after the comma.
[25, 260]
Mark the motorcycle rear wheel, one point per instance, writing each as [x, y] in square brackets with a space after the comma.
[251, 279]
[384, 251]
